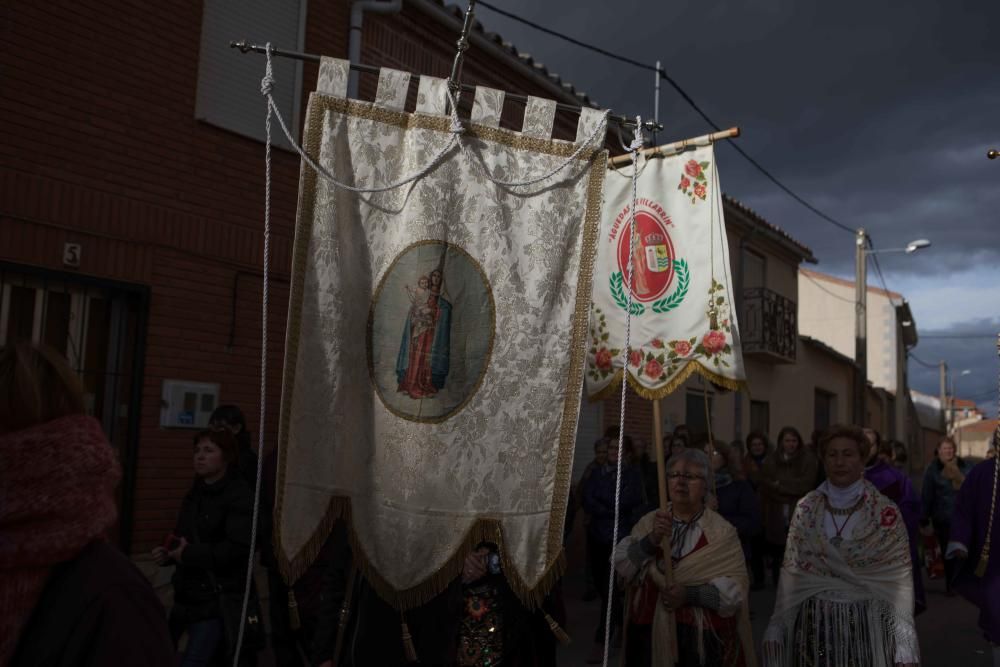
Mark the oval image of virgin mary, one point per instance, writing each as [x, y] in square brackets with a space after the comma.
[430, 332]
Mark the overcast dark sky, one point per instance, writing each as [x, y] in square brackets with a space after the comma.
[878, 113]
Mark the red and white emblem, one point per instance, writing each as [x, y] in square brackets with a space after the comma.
[652, 250]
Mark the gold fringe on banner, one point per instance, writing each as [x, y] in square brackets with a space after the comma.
[483, 530]
[692, 367]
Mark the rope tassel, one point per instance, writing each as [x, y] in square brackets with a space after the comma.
[557, 630]
[409, 650]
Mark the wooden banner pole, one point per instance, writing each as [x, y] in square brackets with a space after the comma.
[661, 480]
[670, 149]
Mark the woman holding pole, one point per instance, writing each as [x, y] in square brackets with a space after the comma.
[695, 600]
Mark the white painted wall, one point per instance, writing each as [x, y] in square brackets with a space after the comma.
[827, 313]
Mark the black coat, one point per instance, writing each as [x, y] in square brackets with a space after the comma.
[215, 519]
[96, 610]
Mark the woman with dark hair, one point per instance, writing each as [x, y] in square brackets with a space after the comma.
[788, 474]
[210, 547]
[230, 418]
[753, 462]
[846, 593]
[942, 481]
[67, 597]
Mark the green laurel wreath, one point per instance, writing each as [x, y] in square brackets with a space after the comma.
[665, 304]
[618, 293]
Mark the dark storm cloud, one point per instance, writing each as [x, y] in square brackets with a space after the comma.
[978, 355]
[878, 113]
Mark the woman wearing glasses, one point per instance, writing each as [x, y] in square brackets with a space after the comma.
[708, 590]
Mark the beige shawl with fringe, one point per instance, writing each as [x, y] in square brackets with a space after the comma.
[872, 568]
[722, 556]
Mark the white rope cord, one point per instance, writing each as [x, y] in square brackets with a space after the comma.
[635, 147]
[598, 128]
[267, 85]
[266, 91]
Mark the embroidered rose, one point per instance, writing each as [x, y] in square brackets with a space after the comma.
[603, 360]
[681, 347]
[714, 342]
[654, 368]
[635, 357]
[685, 184]
[657, 343]
[889, 516]
[699, 190]
[692, 169]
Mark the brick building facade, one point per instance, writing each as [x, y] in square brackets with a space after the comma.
[163, 213]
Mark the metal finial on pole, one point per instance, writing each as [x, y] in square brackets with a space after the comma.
[993, 154]
[656, 100]
[455, 80]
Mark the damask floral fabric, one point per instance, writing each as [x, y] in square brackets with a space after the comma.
[435, 346]
[683, 316]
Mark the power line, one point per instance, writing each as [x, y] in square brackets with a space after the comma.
[684, 95]
[985, 394]
[817, 284]
[971, 335]
[921, 361]
[878, 269]
[567, 38]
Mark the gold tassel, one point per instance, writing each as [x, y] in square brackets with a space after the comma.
[560, 634]
[409, 650]
[294, 621]
[984, 560]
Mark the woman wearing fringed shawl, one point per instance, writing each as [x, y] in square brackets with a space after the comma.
[845, 597]
[708, 590]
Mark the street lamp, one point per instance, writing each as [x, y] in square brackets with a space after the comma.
[861, 313]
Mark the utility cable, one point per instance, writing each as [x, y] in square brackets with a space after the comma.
[921, 361]
[970, 335]
[684, 95]
[820, 286]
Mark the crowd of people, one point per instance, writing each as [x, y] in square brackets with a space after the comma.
[835, 522]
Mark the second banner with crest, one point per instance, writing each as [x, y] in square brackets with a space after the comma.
[683, 314]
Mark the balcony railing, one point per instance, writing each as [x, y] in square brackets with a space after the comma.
[769, 327]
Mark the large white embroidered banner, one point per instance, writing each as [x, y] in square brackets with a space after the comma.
[683, 320]
[436, 337]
